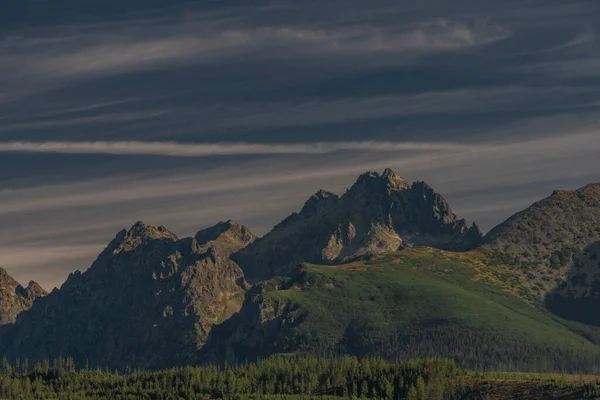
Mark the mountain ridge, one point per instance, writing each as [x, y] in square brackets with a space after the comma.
[377, 214]
[154, 300]
[542, 241]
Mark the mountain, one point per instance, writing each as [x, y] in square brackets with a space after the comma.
[386, 269]
[15, 298]
[416, 302]
[552, 244]
[378, 214]
[149, 300]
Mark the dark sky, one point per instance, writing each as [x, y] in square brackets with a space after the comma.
[200, 111]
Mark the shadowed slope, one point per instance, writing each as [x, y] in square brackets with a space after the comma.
[149, 300]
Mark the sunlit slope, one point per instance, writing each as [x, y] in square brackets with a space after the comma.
[413, 303]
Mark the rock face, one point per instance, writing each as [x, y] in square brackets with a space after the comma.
[149, 300]
[254, 332]
[548, 240]
[378, 214]
[14, 298]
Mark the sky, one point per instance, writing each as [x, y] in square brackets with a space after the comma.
[185, 113]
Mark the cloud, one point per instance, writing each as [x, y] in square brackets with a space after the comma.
[193, 149]
[174, 149]
[141, 48]
[105, 118]
[177, 118]
[471, 101]
[529, 155]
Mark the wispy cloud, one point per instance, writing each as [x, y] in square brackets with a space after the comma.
[89, 54]
[175, 149]
[192, 149]
[106, 118]
[425, 156]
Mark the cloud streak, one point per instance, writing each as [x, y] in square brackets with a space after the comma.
[589, 139]
[130, 50]
[177, 149]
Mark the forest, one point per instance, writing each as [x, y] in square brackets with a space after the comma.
[286, 377]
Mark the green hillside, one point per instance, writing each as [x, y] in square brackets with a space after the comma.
[418, 302]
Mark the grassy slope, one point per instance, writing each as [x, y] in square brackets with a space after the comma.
[428, 301]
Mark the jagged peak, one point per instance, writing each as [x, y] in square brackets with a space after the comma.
[373, 181]
[323, 194]
[35, 286]
[475, 234]
[422, 186]
[6, 280]
[4, 274]
[318, 201]
[367, 176]
[139, 233]
[8, 283]
[142, 230]
[35, 290]
[233, 230]
[393, 180]
[475, 226]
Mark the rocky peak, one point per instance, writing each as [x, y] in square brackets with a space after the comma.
[318, 202]
[34, 290]
[372, 183]
[144, 231]
[433, 202]
[474, 234]
[140, 233]
[377, 214]
[422, 188]
[14, 298]
[224, 237]
[6, 280]
[369, 181]
[393, 181]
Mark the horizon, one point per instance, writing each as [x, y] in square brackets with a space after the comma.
[340, 194]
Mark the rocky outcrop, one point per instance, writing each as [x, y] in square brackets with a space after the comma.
[149, 300]
[545, 241]
[259, 329]
[15, 298]
[378, 214]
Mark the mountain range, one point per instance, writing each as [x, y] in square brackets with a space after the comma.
[385, 269]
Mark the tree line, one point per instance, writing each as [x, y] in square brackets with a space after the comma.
[281, 377]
